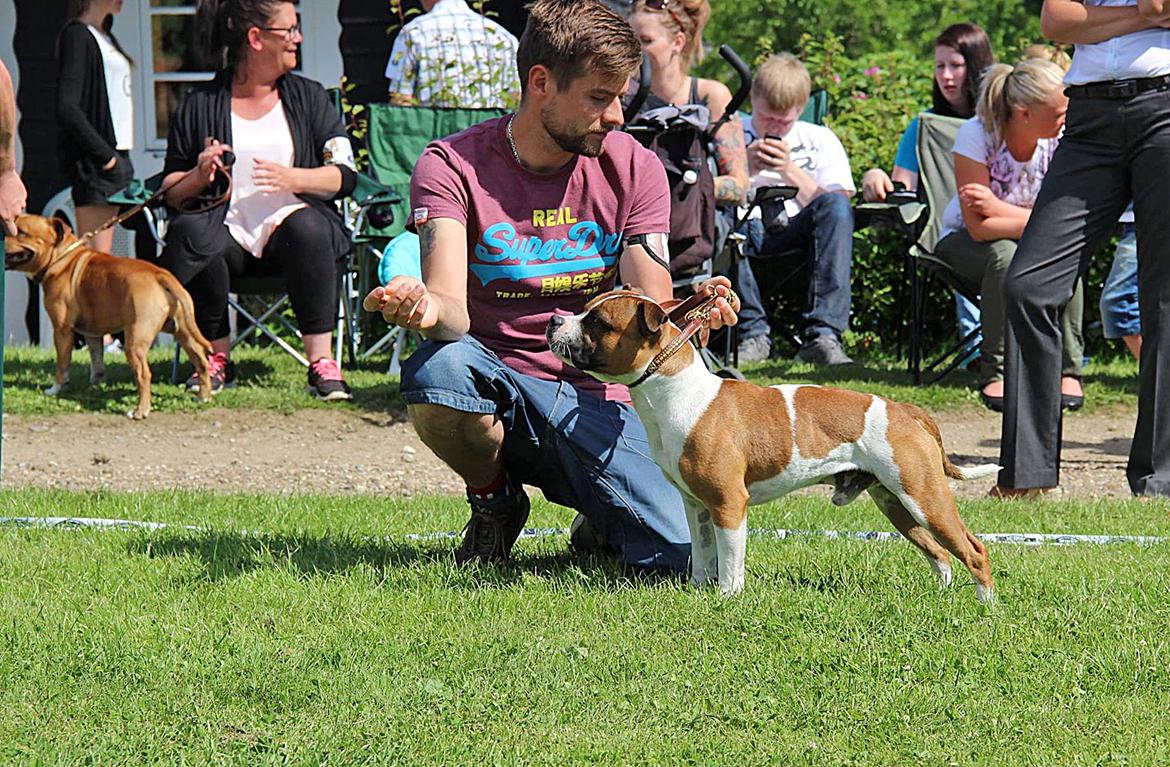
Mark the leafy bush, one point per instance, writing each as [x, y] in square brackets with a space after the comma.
[873, 96]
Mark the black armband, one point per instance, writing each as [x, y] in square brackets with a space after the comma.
[644, 241]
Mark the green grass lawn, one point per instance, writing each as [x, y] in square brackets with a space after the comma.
[271, 380]
[326, 636]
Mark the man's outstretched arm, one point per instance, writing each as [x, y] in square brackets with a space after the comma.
[12, 193]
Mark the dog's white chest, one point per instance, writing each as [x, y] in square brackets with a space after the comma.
[669, 411]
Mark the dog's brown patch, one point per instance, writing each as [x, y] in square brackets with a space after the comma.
[727, 442]
[827, 418]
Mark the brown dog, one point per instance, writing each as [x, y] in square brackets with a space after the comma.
[93, 293]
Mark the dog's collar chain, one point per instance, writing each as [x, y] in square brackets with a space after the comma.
[40, 275]
[695, 312]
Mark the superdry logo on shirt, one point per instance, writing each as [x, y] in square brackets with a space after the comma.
[501, 254]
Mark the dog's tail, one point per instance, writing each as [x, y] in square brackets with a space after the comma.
[183, 311]
[951, 470]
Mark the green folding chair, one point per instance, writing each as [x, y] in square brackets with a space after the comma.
[396, 139]
[936, 188]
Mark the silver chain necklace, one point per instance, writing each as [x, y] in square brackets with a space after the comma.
[512, 141]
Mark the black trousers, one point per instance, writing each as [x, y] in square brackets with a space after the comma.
[206, 258]
[1112, 151]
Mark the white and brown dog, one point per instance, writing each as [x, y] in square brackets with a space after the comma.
[730, 444]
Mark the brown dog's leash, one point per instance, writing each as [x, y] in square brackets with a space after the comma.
[202, 204]
[695, 312]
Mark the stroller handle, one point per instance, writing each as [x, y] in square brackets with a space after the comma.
[741, 93]
[643, 91]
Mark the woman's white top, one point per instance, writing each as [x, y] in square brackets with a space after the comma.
[118, 91]
[1013, 181]
[254, 214]
[1138, 54]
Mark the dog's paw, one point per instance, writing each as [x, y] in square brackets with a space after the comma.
[54, 390]
[137, 415]
[731, 589]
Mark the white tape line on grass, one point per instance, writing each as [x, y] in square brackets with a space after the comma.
[1021, 539]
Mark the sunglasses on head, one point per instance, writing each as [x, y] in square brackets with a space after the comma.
[665, 5]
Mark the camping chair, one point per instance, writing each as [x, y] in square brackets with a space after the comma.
[396, 139]
[936, 185]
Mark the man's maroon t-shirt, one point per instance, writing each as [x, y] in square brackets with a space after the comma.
[538, 244]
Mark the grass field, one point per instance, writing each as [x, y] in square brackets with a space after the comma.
[325, 636]
[271, 380]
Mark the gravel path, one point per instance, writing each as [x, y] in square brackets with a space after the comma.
[337, 451]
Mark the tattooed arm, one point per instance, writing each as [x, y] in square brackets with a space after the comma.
[649, 272]
[731, 185]
[436, 305]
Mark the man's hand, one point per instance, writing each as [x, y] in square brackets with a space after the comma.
[768, 154]
[271, 176]
[723, 313]
[12, 200]
[403, 302]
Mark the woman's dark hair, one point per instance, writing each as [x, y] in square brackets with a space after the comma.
[78, 7]
[224, 24]
[972, 44]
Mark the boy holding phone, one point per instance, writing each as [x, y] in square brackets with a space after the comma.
[783, 150]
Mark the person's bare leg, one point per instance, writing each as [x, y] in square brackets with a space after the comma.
[469, 443]
[90, 217]
[318, 345]
[1134, 344]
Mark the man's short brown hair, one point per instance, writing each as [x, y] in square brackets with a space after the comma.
[572, 37]
[782, 82]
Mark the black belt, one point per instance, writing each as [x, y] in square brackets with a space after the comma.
[1118, 89]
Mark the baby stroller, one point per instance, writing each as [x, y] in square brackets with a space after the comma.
[683, 138]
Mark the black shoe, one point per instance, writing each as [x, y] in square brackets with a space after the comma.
[1072, 401]
[325, 381]
[584, 538]
[494, 526]
[992, 403]
[221, 370]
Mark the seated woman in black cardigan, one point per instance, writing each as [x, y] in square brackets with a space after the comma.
[292, 159]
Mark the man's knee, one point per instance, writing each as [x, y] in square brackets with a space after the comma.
[437, 363]
[833, 208]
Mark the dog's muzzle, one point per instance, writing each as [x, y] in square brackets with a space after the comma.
[566, 341]
[14, 259]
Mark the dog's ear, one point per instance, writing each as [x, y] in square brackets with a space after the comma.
[61, 228]
[651, 318]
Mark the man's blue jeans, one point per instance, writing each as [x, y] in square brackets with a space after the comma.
[1119, 294]
[823, 233]
[582, 451]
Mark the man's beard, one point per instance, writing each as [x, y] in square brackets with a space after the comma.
[587, 144]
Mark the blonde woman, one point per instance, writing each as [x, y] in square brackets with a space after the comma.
[671, 33]
[1001, 157]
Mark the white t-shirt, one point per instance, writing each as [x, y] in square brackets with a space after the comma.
[814, 149]
[254, 214]
[1012, 181]
[118, 92]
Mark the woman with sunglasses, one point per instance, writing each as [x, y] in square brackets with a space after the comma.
[671, 32]
[292, 159]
